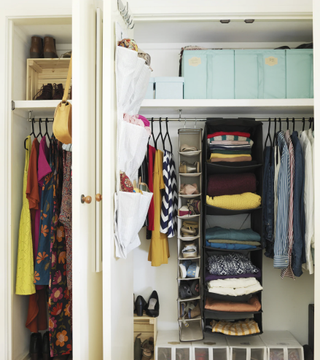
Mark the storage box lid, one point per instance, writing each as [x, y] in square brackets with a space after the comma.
[151, 80]
[169, 79]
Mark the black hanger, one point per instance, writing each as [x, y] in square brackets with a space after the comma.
[152, 133]
[268, 135]
[293, 124]
[274, 142]
[46, 133]
[160, 134]
[280, 124]
[168, 135]
[303, 123]
[288, 126]
[40, 133]
[310, 123]
[31, 134]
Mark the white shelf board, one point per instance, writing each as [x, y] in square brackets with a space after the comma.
[227, 107]
[38, 107]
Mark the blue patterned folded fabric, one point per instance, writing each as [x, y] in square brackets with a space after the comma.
[230, 246]
[232, 234]
[230, 264]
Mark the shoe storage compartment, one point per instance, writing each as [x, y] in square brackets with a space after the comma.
[169, 347]
[45, 71]
[189, 329]
[282, 345]
[247, 349]
[145, 325]
[213, 347]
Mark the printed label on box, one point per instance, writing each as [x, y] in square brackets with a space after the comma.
[271, 61]
[194, 61]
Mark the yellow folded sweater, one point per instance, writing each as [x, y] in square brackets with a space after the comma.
[226, 156]
[243, 201]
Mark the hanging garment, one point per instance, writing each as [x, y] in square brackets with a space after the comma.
[281, 259]
[308, 199]
[66, 211]
[174, 193]
[45, 179]
[298, 251]
[268, 202]
[37, 311]
[25, 260]
[166, 219]
[288, 271]
[60, 321]
[277, 163]
[159, 247]
[143, 176]
[152, 152]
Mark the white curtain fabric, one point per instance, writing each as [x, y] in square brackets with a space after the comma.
[132, 78]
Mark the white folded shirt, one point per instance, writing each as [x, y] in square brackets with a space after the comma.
[233, 283]
[249, 286]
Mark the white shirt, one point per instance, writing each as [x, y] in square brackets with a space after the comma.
[308, 199]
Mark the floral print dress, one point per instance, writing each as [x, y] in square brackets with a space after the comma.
[60, 322]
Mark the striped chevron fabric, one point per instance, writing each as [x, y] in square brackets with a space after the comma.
[288, 271]
[169, 206]
[281, 246]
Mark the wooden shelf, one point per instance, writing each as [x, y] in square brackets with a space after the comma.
[228, 107]
[38, 107]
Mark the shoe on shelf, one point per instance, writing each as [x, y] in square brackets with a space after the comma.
[45, 93]
[188, 189]
[183, 267]
[148, 344]
[194, 206]
[184, 211]
[194, 287]
[153, 305]
[137, 348]
[189, 168]
[189, 250]
[35, 349]
[45, 346]
[140, 305]
[186, 148]
[49, 47]
[36, 49]
[185, 291]
[146, 354]
[57, 92]
[189, 228]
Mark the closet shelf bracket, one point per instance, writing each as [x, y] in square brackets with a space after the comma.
[13, 105]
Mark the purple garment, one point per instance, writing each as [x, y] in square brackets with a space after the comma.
[145, 120]
[43, 170]
[210, 277]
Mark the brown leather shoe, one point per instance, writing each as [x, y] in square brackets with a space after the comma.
[45, 93]
[49, 47]
[57, 92]
[36, 49]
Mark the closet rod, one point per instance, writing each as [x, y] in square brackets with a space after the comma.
[42, 119]
[156, 119]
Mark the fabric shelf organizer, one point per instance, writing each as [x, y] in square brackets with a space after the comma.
[189, 231]
[132, 79]
[232, 258]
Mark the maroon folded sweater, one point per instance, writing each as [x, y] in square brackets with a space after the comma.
[231, 184]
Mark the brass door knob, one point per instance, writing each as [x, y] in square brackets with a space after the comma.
[98, 197]
[86, 199]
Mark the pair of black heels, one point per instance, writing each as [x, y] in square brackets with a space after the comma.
[151, 308]
[39, 347]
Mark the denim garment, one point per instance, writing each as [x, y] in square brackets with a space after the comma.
[268, 202]
[299, 252]
[217, 233]
[281, 244]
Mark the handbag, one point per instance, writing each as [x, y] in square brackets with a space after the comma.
[62, 122]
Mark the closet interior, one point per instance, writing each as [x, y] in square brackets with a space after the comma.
[33, 117]
[163, 40]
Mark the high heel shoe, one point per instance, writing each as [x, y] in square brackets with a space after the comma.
[45, 346]
[153, 305]
[35, 346]
[189, 168]
[140, 305]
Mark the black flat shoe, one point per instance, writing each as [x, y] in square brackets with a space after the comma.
[140, 305]
[153, 305]
[35, 348]
[45, 346]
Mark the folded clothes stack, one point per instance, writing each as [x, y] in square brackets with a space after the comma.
[232, 239]
[235, 328]
[252, 305]
[234, 287]
[230, 147]
[245, 201]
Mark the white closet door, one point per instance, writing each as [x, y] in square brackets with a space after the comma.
[87, 283]
[117, 273]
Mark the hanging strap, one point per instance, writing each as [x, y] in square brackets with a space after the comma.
[66, 89]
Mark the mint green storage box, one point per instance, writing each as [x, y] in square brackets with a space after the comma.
[208, 74]
[299, 73]
[150, 89]
[260, 74]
